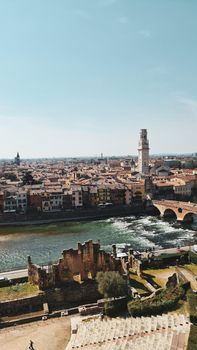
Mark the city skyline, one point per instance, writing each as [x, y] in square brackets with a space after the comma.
[81, 78]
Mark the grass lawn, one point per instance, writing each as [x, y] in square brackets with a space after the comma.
[18, 291]
[192, 343]
[138, 283]
[160, 276]
[192, 268]
[182, 308]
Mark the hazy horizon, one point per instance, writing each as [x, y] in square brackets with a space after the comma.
[113, 156]
[83, 77]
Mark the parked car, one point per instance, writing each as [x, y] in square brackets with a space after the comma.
[64, 313]
[44, 318]
[5, 281]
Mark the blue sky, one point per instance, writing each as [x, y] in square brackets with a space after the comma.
[81, 77]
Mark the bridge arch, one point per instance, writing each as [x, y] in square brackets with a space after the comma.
[190, 217]
[157, 211]
[180, 210]
[169, 213]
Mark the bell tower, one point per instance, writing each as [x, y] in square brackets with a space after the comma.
[17, 159]
[143, 153]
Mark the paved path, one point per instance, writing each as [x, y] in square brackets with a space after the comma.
[14, 274]
[173, 250]
[52, 334]
[190, 276]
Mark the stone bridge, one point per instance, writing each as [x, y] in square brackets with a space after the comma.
[183, 210]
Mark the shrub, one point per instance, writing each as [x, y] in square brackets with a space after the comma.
[192, 342]
[109, 309]
[193, 257]
[166, 300]
[115, 307]
[192, 300]
[111, 284]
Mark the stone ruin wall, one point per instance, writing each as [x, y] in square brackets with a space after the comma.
[83, 263]
[33, 272]
[133, 264]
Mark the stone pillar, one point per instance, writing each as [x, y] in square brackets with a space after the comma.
[114, 253]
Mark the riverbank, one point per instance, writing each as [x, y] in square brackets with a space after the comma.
[72, 215]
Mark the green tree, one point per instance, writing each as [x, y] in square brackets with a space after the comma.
[11, 176]
[111, 284]
[27, 178]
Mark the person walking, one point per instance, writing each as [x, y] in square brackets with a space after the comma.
[31, 345]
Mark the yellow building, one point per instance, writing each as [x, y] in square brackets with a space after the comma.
[135, 191]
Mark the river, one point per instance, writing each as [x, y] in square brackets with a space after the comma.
[45, 243]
